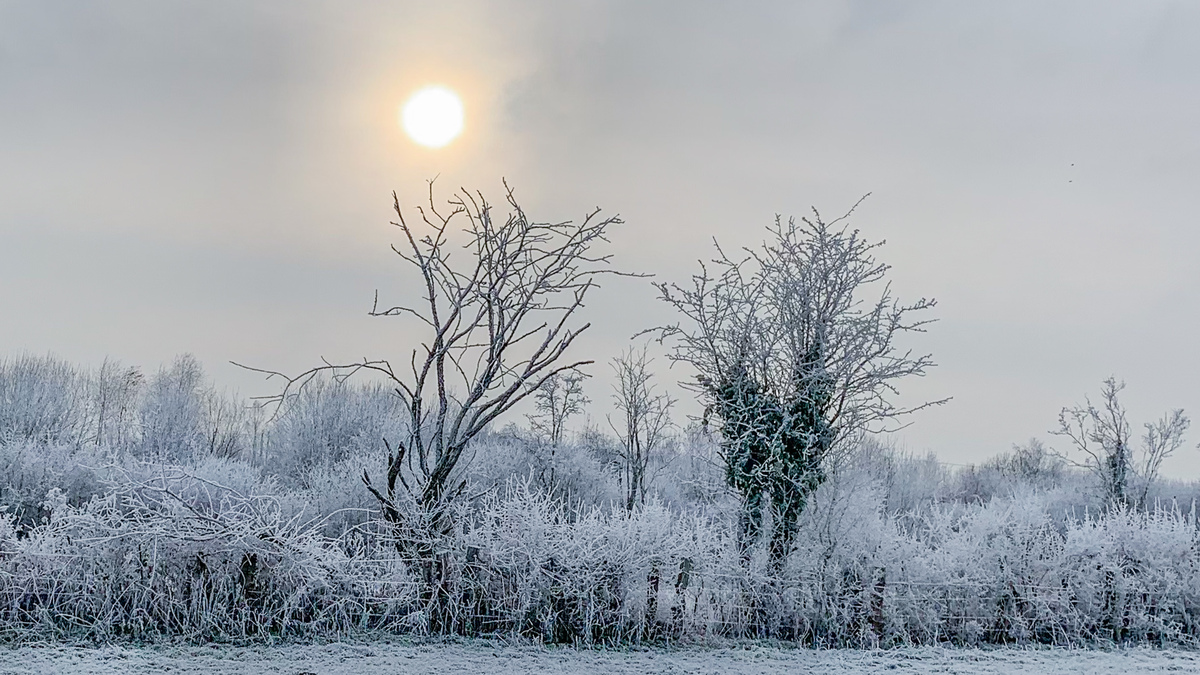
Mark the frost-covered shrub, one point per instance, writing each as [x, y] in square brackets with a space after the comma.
[539, 567]
[182, 555]
[907, 482]
[327, 422]
[217, 551]
[113, 395]
[161, 507]
[40, 399]
[1135, 575]
[1173, 493]
[696, 476]
[29, 470]
[570, 472]
[174, 417]
[1008, 572]
[8, 532]
[171, 417]
[334, 493]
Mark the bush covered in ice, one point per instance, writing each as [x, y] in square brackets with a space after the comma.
[155, 506]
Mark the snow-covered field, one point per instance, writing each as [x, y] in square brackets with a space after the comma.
[483, 657]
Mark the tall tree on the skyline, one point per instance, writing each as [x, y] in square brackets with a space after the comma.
[497, 296]
[793, 362]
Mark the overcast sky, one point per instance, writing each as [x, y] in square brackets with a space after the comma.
[215, 177]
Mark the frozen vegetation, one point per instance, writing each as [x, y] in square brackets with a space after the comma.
[387, 658]
[405, 500]
[151, 506]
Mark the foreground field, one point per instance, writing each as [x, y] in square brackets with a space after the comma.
[478, 658]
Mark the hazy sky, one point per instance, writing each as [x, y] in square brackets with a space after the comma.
[215, 177]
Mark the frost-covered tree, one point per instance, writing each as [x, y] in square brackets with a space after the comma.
[172, 412]
[1102, 437]
[113, 392]
[796, 350]
[39, 399]
[559, 398]
[181, 416]
[497, 297]
[644, 420]
[1030, 465]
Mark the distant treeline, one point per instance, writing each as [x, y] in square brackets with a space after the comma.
[147, 505]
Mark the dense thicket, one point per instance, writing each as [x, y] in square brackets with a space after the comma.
[150, 505]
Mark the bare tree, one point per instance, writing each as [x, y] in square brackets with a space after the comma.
[645, 422]
[1102, 436]
[114, 393]
[793, 362]
[497, 321]
[558, 399]
[1160, 440]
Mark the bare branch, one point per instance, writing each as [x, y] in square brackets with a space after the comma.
[498, 296]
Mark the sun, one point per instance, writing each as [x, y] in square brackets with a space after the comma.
[433, 116]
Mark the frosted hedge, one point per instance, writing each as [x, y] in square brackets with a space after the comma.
[153, 507]
[181, 555]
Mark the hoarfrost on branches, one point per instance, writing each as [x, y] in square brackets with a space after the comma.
[793, 361]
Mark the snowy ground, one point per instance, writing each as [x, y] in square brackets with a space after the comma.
[378, 658]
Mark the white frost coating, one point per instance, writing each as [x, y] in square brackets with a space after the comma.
[484, 657]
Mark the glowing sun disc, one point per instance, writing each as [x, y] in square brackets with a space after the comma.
[433, 116]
